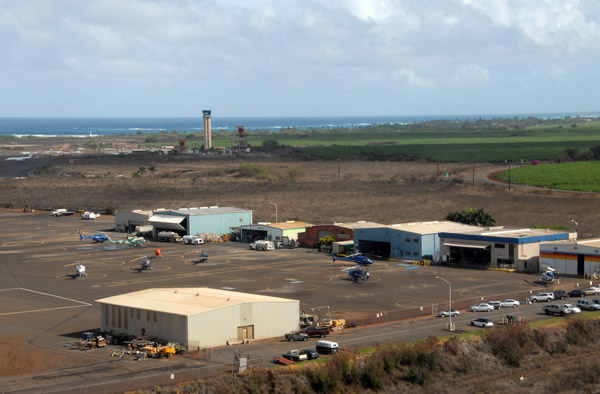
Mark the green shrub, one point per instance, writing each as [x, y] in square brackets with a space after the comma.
[373, 373]
[580, 331]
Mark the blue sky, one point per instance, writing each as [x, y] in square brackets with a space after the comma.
[129, 58]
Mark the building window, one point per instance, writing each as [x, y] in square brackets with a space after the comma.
[131, 312]
[139, 314]
[147, 315]
[119, 316]
[407, 239]
[113, 312]
[416, 240]
[106, 317]
[499, 246]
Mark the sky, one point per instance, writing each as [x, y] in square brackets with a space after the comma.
[173, 58]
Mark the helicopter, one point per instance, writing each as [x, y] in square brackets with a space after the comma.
[356, 273]
[145, 265]
[100, 238]
[202, 258]
[357, 258]
[80, 270]
[131, 241]
[549, 275]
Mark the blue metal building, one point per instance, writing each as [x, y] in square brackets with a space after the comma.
[207, 220]
[407, 241]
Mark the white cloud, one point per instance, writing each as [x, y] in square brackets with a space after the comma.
[296, 47]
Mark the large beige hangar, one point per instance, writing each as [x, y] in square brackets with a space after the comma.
[199, 317]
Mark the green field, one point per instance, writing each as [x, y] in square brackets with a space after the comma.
[580, 176]
[447, 141]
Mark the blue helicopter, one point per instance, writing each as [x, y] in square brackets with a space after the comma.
[356, 273]
[96, 237]
[357, 258]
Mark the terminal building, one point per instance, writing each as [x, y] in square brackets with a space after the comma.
[407, 241]
[572, 257]
[199, 317]
[513, 248]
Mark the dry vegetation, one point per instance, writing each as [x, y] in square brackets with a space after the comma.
[561, 358]
[311, 191]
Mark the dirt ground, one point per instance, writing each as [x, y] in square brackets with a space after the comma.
[328, 191]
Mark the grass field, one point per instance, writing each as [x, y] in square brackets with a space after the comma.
[580, 176]
[447, 145]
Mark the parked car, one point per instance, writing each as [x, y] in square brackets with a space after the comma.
[576, 293]
[592, 291]
[573, 309]
[482, 322]
[450, 313]
[588, 305]
[296, 336]
[560, 294]
[481, 308]
[294, 355]
[556, 309]
[510, 303]
[313, 331]
[542, 297]
[310, 353]
[495, 304]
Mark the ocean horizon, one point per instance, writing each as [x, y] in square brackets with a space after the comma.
[83, 127]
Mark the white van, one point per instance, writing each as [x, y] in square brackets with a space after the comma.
[327, 347]
[192, 240]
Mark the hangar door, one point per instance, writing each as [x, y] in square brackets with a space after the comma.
[465, 254]
[375, 249]
[324, 233]
[253, 235]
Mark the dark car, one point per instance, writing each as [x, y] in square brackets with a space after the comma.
[577, 293]
[560, 294]
[310, 353]
[313, 331]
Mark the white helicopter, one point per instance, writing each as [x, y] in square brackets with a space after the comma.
[549, 276]
[80, 270]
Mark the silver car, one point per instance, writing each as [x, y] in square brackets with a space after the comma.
[510, 303]
[450, 313]
[481, 308]
[482, 322]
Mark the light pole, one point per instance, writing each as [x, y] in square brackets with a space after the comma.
[272, 203]
[450, 326]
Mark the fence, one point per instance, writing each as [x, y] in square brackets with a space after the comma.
[162, 379]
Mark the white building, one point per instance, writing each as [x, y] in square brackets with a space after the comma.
[199, 317]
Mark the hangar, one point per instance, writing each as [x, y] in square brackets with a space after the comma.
[576, 258]
[281, 232]
[187, 221]
[199, 317]
[406, 241]
[339, 231]
[127, 220]
[513, 248]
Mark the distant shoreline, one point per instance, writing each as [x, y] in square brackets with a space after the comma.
[82, 127]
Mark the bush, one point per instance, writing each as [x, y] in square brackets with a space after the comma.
[373, 373]
[580, 331]
[255, 171]
[510, 343]
[294, 173]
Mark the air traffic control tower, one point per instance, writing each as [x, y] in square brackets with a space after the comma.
[207, 131]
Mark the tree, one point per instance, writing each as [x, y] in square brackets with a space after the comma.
[142, 170]
[476, 217]
[270, 145]
[152, 169]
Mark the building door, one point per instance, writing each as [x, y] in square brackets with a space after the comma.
[580, 264]
[245, 332]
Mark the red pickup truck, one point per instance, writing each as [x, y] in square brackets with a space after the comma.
[313, 331]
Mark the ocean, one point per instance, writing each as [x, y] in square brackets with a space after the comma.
[104, 126]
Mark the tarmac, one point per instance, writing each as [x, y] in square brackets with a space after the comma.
[43, 304]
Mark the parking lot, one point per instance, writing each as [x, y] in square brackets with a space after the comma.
[44, 306]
